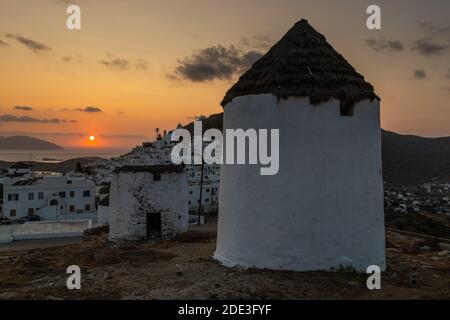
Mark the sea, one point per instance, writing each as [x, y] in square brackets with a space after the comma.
[53, 156]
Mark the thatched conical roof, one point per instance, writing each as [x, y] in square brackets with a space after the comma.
[303, 64]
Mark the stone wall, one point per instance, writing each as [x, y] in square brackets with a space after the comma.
[134, 194]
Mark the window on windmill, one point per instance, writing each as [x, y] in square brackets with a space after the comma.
[347, 109]
[157, 177]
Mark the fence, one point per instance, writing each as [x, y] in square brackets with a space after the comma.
[44, 230]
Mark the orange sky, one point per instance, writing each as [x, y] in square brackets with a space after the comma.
[123, 62]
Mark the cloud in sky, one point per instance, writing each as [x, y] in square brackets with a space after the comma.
[434, 29]
[33, 45]
[428, 47]
[382, 44]
[420, 74]
[217, 62]
[23, 108]
[116, 63]
[141, 64]
[72, 58]
[3, 43]
[446, 89]
[89, 109]
[125, 64]
[13, 118]
[74, 134]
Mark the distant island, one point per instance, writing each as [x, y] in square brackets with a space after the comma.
[26, 143]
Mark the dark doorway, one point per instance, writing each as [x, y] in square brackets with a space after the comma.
[30, 212]
[153, 225]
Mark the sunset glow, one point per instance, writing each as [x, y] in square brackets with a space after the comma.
[57, 82]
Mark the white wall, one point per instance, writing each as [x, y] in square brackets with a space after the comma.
[50, 186]
[324, 208]
[102, 215]
[133, 195]
[210, 199]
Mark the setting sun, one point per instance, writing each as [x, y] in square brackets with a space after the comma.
[91, 138]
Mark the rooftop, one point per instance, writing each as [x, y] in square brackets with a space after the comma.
[158, 169]
[303, 64]
[20, 165]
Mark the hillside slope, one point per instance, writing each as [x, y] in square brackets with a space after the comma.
[411, 159]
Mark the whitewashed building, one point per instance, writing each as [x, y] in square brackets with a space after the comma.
[159, 153]
[324, 208]
[209, 198]
[51, 198]
[148, 202]
[16, 172]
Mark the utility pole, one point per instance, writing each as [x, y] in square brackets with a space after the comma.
[201, 192]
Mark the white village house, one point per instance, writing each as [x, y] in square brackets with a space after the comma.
[148, 202]
[324, 208]
[50, 197]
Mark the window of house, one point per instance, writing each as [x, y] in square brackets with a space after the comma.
[40, 195]
[189, 203]
[87, 207]
[207, 190]
[31, 196]
[62, 194]
[190, 192]
[72, 194]
[206, 200]
[86, 193]
[13, 197]
[72, 208]
[12, 213]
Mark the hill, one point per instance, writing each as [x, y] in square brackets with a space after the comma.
[63, 166]
[407, 159]
[26, 143]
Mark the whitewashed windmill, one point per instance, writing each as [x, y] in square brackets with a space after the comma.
[324, 208]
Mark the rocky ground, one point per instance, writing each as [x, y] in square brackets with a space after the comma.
[418, 268]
